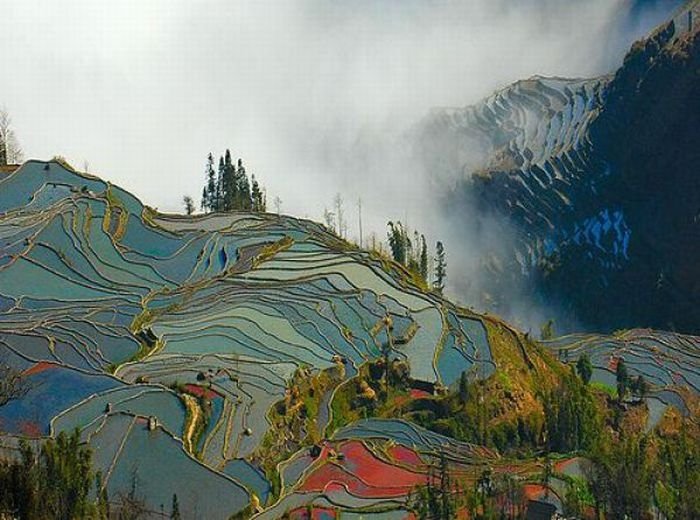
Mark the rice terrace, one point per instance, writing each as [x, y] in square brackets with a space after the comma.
[235, 362]
[222, 350]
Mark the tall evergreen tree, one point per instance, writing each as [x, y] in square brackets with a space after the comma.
[257, 196]
[230, 189]
[243, 200]
[463, 391]
[440, 267]
[397, 242]
[423, 258]
[66, 465]
[229, 192]
[571, 417]
[55, 482]
[622, 378]
[584, 368]
[204, 205]
[209, 192]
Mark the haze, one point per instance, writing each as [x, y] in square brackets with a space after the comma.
[313, 95]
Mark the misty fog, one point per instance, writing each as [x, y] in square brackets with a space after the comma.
[317, 97]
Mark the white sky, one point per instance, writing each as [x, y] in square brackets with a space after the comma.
[309, 93]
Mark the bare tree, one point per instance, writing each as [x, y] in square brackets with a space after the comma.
[131, 505]
[329, 219]
[10, 150]
[340, 215]
[359, 217]
[13, 385]
[189, 204]
[278, 204]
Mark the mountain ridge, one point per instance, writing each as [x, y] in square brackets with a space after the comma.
[564, 163]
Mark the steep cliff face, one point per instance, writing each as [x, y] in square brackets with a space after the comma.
[648, 131]
[599, 179]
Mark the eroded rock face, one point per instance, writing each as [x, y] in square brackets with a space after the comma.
[599, 179]
[649, 133]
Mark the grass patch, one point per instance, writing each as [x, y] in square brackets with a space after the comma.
[602, 387]
[270, 250]
[293, 420]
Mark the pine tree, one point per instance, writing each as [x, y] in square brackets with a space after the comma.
[228, 183]
[256, 194]
[56, 482]
[463, 387]
[584, 368]
[204, 206]
[440, 267]
[230, 189]
[423, 258]
[209, 193]
[243, 201]
[622, 378]
[28, 499]
[397, 242]
[571, 417]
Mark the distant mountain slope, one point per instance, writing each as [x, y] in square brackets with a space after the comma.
[599, 179]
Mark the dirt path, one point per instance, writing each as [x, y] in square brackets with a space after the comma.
[194, 415]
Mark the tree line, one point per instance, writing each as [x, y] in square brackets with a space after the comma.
[627, 472]
[57, 481]
[405, 247]
[413, 254]
[228, 188]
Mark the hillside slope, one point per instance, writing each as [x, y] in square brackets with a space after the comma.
[598, 178]
[215, 349]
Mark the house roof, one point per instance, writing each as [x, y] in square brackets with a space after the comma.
[538, 510]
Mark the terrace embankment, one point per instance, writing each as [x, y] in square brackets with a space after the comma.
[256, 342]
